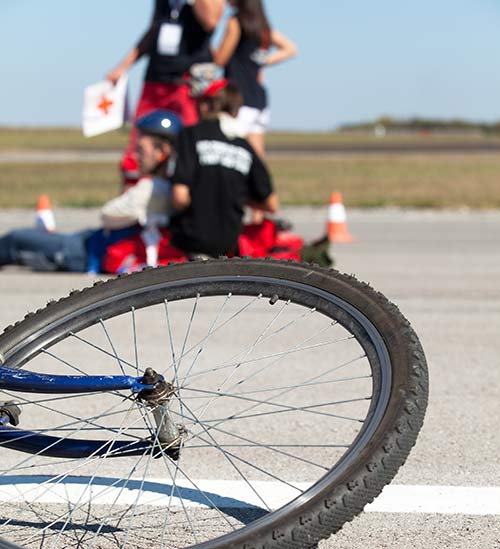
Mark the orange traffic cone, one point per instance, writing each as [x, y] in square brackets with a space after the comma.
[337, 221]
[44, 216]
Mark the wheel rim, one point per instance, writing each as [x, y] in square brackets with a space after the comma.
[279, 318]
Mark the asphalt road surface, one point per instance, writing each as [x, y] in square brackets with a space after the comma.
[443, 271]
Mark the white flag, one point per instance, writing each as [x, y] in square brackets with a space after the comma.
[104, 107]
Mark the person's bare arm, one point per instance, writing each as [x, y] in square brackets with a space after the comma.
[134, 54]
[228, 44]
[208, 13]
[115, 74]
[181, 197]
[270, 204]
[285, 48]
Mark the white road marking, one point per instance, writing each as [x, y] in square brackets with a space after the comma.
[442, 500]
[237, 494]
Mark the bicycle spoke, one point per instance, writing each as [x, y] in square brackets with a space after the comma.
[76, 419]
[89, 484]
[291, 323]
[214, 330]
[259, 403]
[108, 337]
[272, 447]
[60, 478]
[103, 351]
[165, 461]
[136, 351]
[92, 458]
[285, 389]
[257, 468]
[280, 355]
[228, 456]
[283, 407]
[80, 371]
[211, 330]
[188, 330]
[301, 385]
[246, 353]
[141, 488]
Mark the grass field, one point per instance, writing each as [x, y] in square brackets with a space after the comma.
[419, 181]
[15, 139]
[366, 180]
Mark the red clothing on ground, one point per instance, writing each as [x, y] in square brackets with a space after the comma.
[129, 255]
[263, 240]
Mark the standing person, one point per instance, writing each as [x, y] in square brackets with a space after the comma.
[124, 217]
[178, 38]
[244, 51]
[217, 173]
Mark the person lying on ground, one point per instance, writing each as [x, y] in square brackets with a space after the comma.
[144, 206]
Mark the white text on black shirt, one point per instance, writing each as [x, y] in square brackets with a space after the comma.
[218, 153]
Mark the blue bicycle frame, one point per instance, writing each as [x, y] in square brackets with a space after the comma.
[12, 379]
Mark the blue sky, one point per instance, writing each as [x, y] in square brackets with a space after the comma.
[358, 59]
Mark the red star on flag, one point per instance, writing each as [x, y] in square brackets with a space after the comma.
[105, 105]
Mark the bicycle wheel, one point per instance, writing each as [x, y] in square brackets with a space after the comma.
[291, 395]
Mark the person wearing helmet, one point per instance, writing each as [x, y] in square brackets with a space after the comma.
[147, 202]
[138, 211]
[217, 173]
[178, 38]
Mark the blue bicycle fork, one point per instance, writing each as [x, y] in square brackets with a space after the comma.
[150, 389]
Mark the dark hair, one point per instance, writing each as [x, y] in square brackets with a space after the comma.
[228, 99]
[253, 20]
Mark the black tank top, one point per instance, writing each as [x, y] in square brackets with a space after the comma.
[243, 69]
[194, 46]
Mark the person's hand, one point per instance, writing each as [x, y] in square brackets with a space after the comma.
[257, 217]
[115, 75]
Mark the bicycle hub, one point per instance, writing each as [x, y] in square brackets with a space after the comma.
[168, 434]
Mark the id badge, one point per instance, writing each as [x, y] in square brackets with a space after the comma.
[169, 39]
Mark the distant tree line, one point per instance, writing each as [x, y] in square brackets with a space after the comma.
[423, 125]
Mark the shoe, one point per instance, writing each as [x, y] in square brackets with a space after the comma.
[318, 252]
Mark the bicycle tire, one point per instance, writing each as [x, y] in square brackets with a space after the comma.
[399, 376]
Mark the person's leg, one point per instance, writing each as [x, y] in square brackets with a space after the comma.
[257, 140]
[31, 247]
[252, 124]
[257, 131]
[44, 251]
[245, 119]
[6, 250]
[250, 121]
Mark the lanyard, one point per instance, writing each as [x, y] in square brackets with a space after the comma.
[175, 10]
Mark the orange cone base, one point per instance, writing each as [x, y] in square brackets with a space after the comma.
[341, 236]
[337, 222]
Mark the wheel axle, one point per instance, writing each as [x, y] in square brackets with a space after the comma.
[168, 433]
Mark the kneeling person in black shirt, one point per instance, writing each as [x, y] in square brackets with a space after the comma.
[217, 174]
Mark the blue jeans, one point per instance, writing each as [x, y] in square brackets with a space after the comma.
[45, 251]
